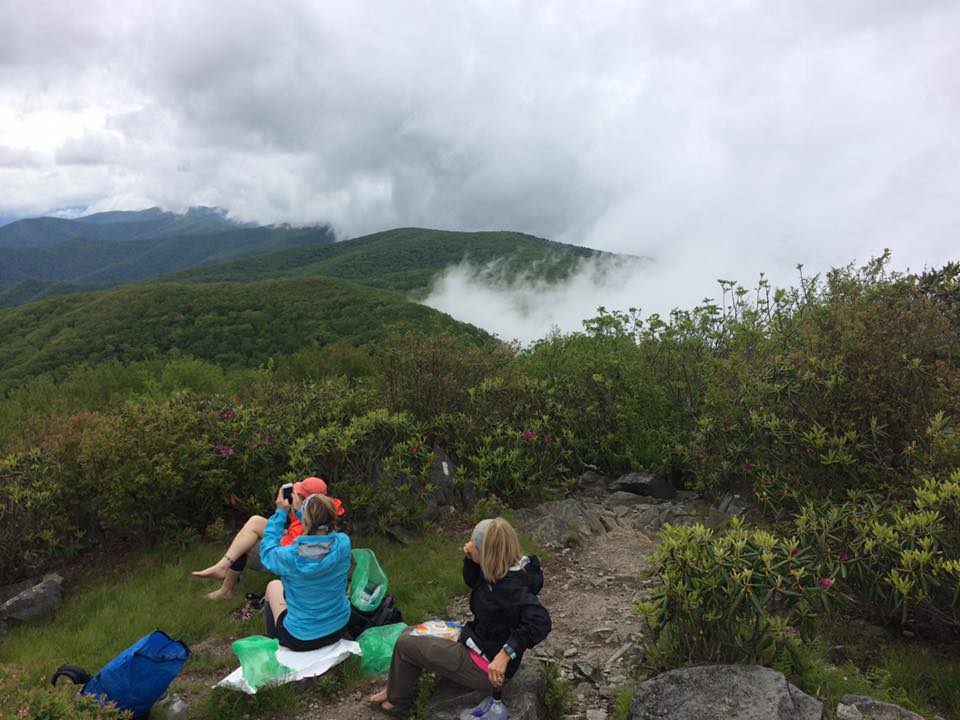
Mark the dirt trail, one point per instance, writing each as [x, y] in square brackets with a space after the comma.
[589, 591]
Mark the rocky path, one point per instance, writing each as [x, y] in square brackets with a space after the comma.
[596, 637]
[600, 551]
[590, 591]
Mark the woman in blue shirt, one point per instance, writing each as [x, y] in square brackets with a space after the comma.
[307, 608]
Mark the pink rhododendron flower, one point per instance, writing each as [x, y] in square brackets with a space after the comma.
[826, 582]
[842, 557]
[225, 450]
[227, 414]
[528, 434]
[746, 467]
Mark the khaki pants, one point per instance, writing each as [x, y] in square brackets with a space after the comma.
[415, 653]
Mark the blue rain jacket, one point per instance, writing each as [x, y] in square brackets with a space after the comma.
[314, 572]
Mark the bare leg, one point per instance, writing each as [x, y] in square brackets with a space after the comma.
[274, 595]
[225, 591]
[248, 536]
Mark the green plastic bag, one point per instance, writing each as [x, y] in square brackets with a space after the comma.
[369, 584]
[377, 643]
[258, 658]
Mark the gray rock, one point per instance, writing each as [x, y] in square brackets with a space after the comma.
[647, 519]
[589, 671]
[735, 505]
[9, 591]
[622, 498]
[592, 483]
[608, 520]
[564, 522]
[716, 518]
[848, 712]
[871, 709]
[35, 603]
[676, 515]
[644, 484]
[719, 692]
[596, 714]
[444, 493]
[523, 695]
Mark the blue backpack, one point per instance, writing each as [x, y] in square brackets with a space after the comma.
[136, 678]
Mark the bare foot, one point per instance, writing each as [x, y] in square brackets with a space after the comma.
[221, 594]
[380, 697]
[218, 571]
[388, 706]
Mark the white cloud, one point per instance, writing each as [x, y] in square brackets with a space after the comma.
[721, 139]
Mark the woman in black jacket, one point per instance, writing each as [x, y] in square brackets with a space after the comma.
[507, 620]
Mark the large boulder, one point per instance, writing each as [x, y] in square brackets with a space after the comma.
[35, 603]
[564, 522]
[861, 707]
[720, 692]
[643, 484]
[523, 695]
[591, 484]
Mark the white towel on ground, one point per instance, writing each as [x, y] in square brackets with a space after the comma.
[304, 664]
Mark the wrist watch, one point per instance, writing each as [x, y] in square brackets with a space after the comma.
[510, 651]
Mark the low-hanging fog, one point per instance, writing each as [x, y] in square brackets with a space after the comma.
[718, 139]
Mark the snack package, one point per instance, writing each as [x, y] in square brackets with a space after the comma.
[446, 629]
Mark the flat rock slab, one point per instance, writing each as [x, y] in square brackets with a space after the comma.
[861, 707]
[523, 695]
[722, 692]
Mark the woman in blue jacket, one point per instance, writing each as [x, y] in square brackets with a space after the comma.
[307, 608]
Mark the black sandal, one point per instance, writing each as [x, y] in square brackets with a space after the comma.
[255, 600]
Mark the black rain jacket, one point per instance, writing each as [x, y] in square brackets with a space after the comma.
[507, 611]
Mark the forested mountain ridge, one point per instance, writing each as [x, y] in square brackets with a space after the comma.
[118, 226]
[232, 324]
[405, 259]
[30, 273]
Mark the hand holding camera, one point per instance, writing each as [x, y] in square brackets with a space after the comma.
[285, 496]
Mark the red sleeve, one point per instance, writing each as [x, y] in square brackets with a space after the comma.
[294, 530]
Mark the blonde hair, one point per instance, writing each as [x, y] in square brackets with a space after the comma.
[319, 513]
[499, 549]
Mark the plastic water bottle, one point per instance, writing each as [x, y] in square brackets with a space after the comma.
[497, 711]
[478, 711]
[177, 708]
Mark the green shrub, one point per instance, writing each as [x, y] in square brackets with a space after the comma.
[731, 597]
[902, 563]
[20, 698]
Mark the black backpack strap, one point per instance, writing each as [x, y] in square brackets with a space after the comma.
[77, 675]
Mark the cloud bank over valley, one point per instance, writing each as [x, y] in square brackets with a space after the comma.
[720, 140]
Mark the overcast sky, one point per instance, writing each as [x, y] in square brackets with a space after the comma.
[720, 138]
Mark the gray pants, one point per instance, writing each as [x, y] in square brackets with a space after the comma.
[415, 653]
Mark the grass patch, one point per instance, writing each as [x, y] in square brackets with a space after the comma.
[622, 703]
[115, 605]
[559, 695]
[896, 670]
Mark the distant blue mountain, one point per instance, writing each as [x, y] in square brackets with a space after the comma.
[120, 226]
[40, 257]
